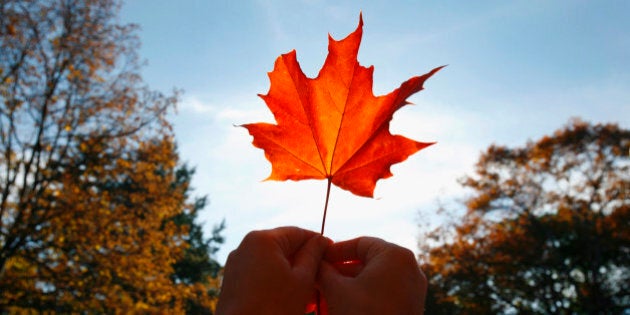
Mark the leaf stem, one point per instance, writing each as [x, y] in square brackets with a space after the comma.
[318, 295]
[326, 205]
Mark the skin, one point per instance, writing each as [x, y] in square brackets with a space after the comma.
[277, 272]
[381, 278]
[272, 272]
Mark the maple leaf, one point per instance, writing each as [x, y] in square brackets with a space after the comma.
[333, 127]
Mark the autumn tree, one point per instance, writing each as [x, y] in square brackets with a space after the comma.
[90, 183]
[546, 230]
[197, 269]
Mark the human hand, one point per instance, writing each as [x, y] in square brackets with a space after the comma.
[272, 272]
[382, 278]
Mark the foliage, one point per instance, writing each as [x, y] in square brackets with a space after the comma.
[333, 127]
[545, 231]
[89, 176]
[196, 268]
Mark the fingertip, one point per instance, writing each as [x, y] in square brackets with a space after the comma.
[309, 256]
[321, 244]
[324, 241]
[290, 238]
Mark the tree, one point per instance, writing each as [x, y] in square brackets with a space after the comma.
[197, 269]
[89, 178]
[545, 230]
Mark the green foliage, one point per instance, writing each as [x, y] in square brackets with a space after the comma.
[197, 267]
[545, 231]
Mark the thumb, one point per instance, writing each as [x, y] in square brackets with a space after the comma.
[329, 278]
[307, 259]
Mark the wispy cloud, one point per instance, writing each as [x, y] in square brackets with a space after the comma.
[195, 105]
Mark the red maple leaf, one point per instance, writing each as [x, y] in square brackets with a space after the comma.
[333, 127]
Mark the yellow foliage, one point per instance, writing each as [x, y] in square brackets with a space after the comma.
[118, 243]
[91, 190]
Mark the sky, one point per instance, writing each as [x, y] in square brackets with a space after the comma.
[517, 70]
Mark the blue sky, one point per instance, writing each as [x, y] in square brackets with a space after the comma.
[517, 70]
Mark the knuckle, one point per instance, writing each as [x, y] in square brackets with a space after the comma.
[232, 256]
[252, 237]
[404, 255]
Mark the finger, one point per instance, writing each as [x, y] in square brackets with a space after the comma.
[290, 238]
[362, 249]
[308, 257]
[349, 268]
[342, 251]
[329, 278]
